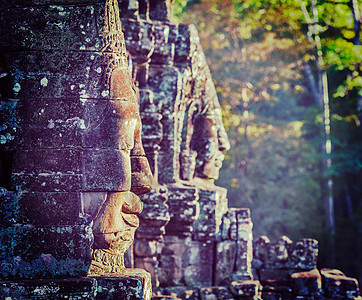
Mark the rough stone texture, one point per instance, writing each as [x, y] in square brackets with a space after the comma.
[213, 205]
[78, 288]
[62, 133]
[125, 287]
[246, 289]
[336, 285]
[215, 293]
[306, 283]
[72, 139]
[288, 270]
[181, 123]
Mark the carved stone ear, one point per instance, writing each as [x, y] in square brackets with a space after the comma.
[122, 86]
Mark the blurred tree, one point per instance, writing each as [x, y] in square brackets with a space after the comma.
[266, 64]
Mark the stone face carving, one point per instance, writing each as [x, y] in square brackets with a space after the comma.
[115, 213]
[78, 164]
[209, 139]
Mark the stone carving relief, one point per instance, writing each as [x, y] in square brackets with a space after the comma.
[78, 156]
[115, 213]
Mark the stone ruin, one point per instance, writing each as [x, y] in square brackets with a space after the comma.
[72, 157]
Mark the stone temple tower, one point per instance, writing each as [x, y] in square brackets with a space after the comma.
[72, 158]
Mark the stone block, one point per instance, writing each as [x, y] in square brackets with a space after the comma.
[161, 10]
[173, 261]
[182, 292]
[9, 212]
[75, 123]
[72, 170]
[279, 275]
[304, 254]
[9, 128]
[224, 261]
[164, 82]
[243, 258]
[47, 170]
[154, 216]
[50, 208]
[213, 205]
[183, 209]
[277, 292]
[183, 45]
[77, 289]
[260, 251]
[28, 251]
[215, 293]
[278, 253]
[200, 261]
[249, 289]
[134, 285]
[39, 161]
[24, 3]
[47, 123]
[337, 285]
[43, 27]
[306, 283]
[131, 284]
[163, 53]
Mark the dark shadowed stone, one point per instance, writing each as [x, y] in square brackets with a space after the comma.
[278, 253]
[164, 82]
[161, 10]
[5, 4]
[200, 269]
[139, 38]
[49, 123]
[9, 119]
[47, 170]
[96, 288]
[135, 286]
[304, 254]
[174, 260]
[213, 205]
[79, 288]
[97, 176]
[50, 208]
[9, 209]
[154, 216]
[279, 275]
[164, 51]
[337, 285]
[306, 283]
[183, 208]
[72, 170]
[216, 293]
[28, 251]
[164, 297]
[49, 161]
[224, 261]
[183, 45]
[249, 289]
[182, 292]
[30, 30]
[278, 292]
[102, 126]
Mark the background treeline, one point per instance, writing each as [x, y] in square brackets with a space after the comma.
[288, 75]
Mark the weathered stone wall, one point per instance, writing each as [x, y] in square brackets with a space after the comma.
[73, 139]
[64, 82]
[203, 243]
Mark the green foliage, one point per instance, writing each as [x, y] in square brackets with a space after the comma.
[258, 52]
